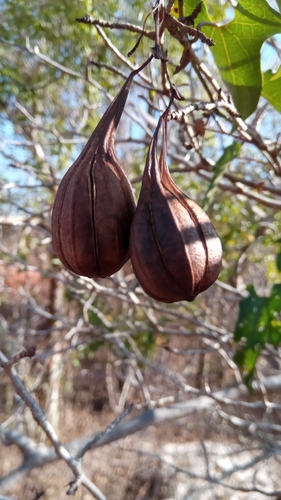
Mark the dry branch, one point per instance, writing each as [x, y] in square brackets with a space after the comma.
[35, 456]
[40, 418]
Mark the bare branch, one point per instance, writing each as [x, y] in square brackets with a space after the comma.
[36, 457]
[26, 353]
[120, 56]
[92, 442]
[41, 419]
[87, 19]
[5, 498]
[179, 30]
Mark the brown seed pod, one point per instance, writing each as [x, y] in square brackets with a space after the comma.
[94, 204]
[175, 251]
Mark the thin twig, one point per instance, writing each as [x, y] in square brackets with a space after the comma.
[92, 442]
[120, 56]
[29, 352]
[87, 19]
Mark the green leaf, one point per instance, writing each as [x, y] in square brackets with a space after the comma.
[275, 298]
[274, 308]
[230, 153]
[237, 50]
[271, 88]
[189, 6]
[247, 358]
[258, 323]
[248, 322]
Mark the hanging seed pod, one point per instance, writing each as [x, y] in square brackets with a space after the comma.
[94, 205]
[175, 251]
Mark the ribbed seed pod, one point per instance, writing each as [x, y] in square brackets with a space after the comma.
[174, 248]
[94, 204]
